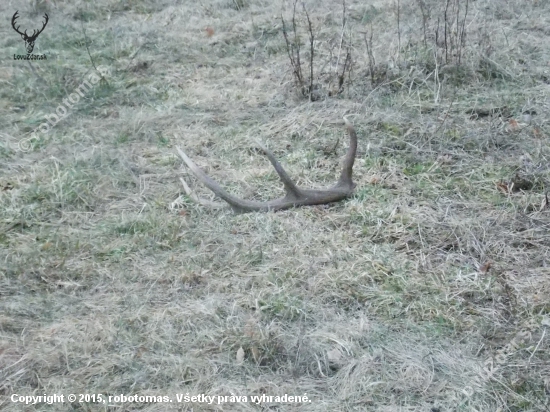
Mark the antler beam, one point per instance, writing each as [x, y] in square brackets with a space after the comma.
[295, 196]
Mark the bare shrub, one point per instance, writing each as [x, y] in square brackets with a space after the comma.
[304, 73]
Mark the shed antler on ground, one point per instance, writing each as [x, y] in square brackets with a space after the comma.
[294, 197]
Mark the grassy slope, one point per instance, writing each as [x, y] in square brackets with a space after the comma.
[111, 283]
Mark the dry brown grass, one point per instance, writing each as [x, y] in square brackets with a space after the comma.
[113, 282]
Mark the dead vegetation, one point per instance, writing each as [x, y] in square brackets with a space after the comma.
[427, 288]
[329, 60]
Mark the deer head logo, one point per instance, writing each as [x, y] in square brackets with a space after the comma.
[29, 40]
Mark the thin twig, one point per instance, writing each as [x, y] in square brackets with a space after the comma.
[341, 35]
[372, 63]
[536, 347]
[446, 29]
[293, 49]
[87, 48]
[297, 45]
[445, 118]
[398, 30]
[311, 52]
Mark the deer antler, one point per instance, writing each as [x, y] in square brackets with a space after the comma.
[295, 196]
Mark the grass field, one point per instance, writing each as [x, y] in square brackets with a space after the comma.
[427, 290]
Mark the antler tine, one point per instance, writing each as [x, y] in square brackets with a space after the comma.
[347, 167]
[290, 186]
[46, 19]
[13, 19]
[294, 195]
[233, 201]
